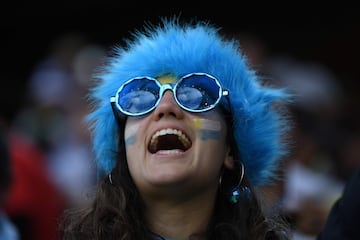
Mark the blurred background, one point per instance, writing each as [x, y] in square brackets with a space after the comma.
[51, 49]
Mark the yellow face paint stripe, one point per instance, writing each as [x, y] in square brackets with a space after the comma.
[202, 123]
[166, 79]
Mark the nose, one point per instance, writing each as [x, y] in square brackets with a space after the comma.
[168, 107]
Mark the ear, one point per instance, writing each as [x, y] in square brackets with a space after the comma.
[229, 160]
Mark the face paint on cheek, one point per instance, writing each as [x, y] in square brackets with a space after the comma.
[208, 129]
[130, 135]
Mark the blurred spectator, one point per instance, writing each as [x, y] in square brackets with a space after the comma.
[34, 204]
[311, 184]
[49, 146]
[326, 137]
[344, 219]
[349, 154]
[53, 117]
[8, 230]
[50, 93]
[309, 81]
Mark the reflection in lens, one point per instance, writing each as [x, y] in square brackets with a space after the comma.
[189, 97]
[137, 101]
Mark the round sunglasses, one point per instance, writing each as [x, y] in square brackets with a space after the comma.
[195, 92]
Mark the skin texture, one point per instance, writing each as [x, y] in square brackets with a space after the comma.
[168, 180]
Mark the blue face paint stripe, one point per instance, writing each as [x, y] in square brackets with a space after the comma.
[130, 135]
[130, 140]
[209, 135]
[208, 129]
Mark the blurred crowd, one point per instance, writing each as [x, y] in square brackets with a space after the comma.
[325, 137]
[50, 156]
[49, 166]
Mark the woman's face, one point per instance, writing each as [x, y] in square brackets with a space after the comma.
[173, 150]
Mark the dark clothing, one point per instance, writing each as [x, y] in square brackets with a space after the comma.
[344, 219]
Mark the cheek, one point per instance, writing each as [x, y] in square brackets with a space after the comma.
[134, 142]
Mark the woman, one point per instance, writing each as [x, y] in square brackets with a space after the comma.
[184, 133]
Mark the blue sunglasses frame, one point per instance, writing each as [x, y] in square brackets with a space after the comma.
[114, 100]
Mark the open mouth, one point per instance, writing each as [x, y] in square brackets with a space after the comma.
[169, 139]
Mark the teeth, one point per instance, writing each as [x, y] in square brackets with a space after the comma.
[182, 137]
[169, 152]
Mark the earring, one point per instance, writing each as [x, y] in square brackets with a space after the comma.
[238, 191]
[110, 179]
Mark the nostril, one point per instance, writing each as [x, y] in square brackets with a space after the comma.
[162, 114]
[168, 106]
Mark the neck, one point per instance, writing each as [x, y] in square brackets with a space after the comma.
[179, 219]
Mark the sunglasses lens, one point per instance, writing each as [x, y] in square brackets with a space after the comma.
[198, 92]
[138, 96]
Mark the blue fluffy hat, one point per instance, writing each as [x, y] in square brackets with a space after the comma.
[180, 49]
